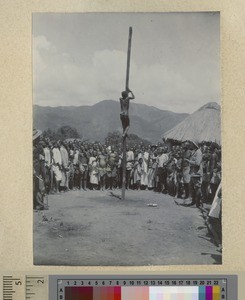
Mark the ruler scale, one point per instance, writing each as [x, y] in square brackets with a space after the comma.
[73, 287]
[36, 287]
[13, 287]
[25, 287]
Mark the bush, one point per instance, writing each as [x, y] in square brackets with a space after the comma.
[62, 133]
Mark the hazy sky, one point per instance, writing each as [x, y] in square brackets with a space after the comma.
[80, 59]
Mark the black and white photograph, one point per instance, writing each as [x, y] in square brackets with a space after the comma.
[127, 160]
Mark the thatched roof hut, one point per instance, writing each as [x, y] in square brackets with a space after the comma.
[202, 126]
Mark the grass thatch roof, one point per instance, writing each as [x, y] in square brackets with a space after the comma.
[202, 125]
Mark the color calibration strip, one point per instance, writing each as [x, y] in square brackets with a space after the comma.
[143, 293]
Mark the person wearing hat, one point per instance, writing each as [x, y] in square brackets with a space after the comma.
[196, 158]
[36, 134]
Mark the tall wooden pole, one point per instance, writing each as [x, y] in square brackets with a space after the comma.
[124, 161]
[128, 57]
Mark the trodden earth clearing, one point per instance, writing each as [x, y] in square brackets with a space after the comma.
[95, 228]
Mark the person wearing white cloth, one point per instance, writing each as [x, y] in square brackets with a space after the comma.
[144, 177]
[215, 210]
[65, 164]
[93, 167]
[195, 162]
[48, 171]
[214, 217]
[57, 162]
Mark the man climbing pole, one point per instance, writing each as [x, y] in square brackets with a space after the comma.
[124, 115]
[124, 101]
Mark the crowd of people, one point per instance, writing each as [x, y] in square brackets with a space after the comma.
[185, 170]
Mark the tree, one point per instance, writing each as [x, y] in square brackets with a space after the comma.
[115, 139]
[51, 134]
[62, 133]
[66, 132]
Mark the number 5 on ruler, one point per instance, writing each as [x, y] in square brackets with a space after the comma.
[25, 287]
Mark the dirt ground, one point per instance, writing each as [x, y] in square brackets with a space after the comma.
[93, 228]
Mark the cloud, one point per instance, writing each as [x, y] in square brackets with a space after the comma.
[60, 80]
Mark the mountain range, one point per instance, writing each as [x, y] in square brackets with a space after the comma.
[94, 122]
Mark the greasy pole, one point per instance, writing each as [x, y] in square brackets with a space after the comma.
[124, 162]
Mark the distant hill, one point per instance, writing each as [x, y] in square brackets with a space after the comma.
[94, 122]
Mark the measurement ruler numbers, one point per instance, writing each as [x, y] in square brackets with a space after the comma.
[91, 287]
[25, 287]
